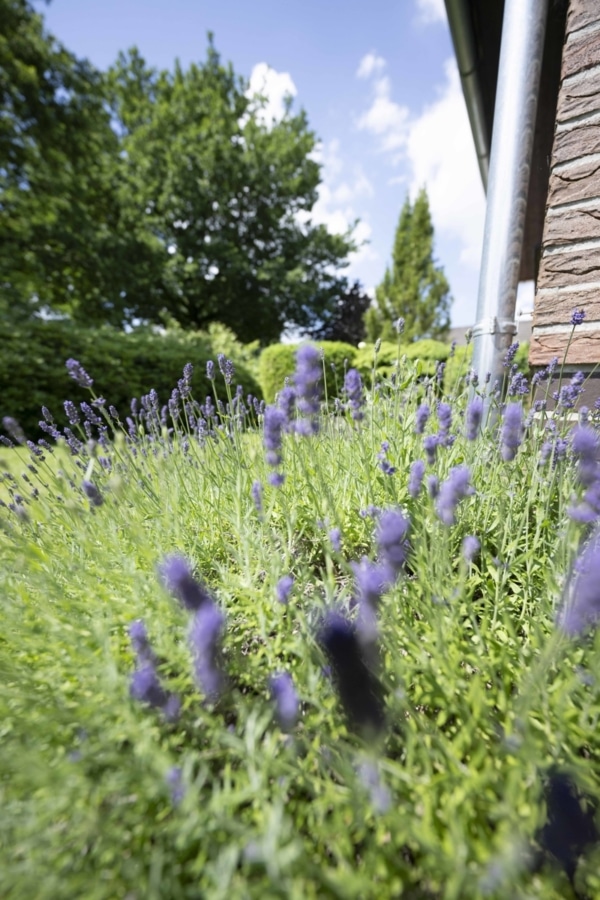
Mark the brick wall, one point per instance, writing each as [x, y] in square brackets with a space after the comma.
[569, 271]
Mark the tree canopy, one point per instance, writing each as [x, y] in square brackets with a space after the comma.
[133, 194]
[414, 288]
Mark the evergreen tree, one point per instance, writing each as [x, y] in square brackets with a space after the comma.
[414, 288]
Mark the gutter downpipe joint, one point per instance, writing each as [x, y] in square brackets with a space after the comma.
[521, 52]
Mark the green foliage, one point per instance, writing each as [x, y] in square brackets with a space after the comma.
[134, 192]
[459, 365]
[428, 352]
[482, 692]
[33, 373]
[414, 288]
[277, 363]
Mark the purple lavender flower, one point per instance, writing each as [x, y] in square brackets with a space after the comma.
[185, 384]
[205, 638]
[257, 492]
[569, 393]
[335, 536]
[14, 429]
[360, 691]
[430, 445]
[174, 779]
[512, 431]
[510, 354]
[433, 486]
[274, 421]
[371, 581]
[577, 316]
[384, 464]
[140, 643]
[581, 597]
[72, 412]
[284, 694]
[586, 448]
[276, 479]
[78, 373]
[399, 324]
[518, 385]
[379, 794]
[473, 417]
[286, 401]
[307, 379]
[145, 686]
[283, 588]
[470, 547]
[176, 577]
[92, 493]
[353, 388]
[415, 481]
[421, 417]
[392, 530]
[456, 487]
[444, 414]
[226, 368]
[210, 370]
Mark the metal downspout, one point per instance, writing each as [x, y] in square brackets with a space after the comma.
[521, 53]
[467, 61]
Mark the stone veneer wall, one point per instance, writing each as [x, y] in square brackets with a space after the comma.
[569, 271]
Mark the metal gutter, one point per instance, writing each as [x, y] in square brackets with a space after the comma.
[459, 20]
[521, 52]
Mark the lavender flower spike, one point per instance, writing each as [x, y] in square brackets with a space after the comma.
[473, 418]
[92, 493]
[286, 700]
[354, 391]
[274, 422]
[421, 417]
[360, 691]
[176, 576]
[456, 487]
[307, 379]
[577, 316]
[417, 471]
[470, 547]
[205, 637]
[391, 539]
[512, 431]
[78, 373]
[14, 429]
[581, 597]
[283, 588]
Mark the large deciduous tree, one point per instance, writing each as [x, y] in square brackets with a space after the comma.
[414, 288]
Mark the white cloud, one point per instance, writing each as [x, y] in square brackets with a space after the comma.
[275, 87]
[369, 65]
[341, 193]
[431, 11]
[442, 158]
[386, 118]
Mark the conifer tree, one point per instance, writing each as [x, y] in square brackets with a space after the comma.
[414, 288]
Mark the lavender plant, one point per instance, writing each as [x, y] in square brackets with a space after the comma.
[373, 717]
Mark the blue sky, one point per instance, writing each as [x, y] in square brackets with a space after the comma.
[378, 83]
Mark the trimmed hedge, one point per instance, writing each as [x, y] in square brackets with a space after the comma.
[278, 362]
[33, 373]
[428, 351]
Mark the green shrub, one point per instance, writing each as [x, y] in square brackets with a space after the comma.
[277, 363]
[428, 351]
[33, 373]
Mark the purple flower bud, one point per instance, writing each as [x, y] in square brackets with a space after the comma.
[354, 391]
[274, 421]
[473, 417]
[286, 700]
[392, 530]
[335, 536]
[433, 486]
[92, 493]
[470, 547]
[510, 354]
[586, 448]
[371, 581]
[286, 401]
[174, 779]
[581, 597]
[421, 417]
[283, 588]
[417, 471]
[210, 370]
[14, 429]
[512, 431]
[257, 493]
[360, 691]
[307, 379]
[205, 637]
[145, 686]
[78, 373]
[456, 487]
[72, 412]
[430, 445]
[444, 414]
[226, 368]
[276, 479]
[140, 643]
[577, 316]
[176, 577]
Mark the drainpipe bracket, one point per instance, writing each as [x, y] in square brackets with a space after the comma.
[494, 325]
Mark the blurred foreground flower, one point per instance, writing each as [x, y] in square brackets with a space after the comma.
[176, 576]
[286, 700]
[581, 595]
